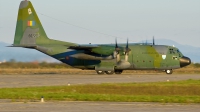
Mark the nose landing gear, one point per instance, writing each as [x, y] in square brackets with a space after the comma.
[170, 71]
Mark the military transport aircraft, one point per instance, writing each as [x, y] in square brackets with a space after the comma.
[104, 58]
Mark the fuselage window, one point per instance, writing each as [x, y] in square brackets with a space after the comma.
[175, 57]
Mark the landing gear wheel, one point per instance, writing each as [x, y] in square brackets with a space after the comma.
[109, 72]
[100, 72]
[169, 71]
[118, 71]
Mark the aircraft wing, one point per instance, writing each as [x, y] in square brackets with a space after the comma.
[84, 47]
[98, 49]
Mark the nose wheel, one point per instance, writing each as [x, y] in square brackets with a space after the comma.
[169, 71]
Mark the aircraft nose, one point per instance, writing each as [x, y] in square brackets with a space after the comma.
[184, 61]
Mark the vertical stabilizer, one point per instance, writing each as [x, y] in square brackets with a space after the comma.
[29, 30]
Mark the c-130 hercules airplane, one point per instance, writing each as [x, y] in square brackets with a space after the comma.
[104, 58]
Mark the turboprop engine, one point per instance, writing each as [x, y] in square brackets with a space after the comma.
[122, 63]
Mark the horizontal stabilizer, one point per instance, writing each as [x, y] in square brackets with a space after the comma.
[25, 46]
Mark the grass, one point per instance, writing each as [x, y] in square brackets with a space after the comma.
[167, 92]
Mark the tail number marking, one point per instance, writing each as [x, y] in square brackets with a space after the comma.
[34, 35]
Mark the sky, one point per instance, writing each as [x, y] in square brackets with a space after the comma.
[101, 21]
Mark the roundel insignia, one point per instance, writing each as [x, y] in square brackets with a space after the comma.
[29, 11]
[164, 56]
[67, 58]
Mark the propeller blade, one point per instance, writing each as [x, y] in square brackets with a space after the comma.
[127, 44]
[127, 49]
[116, 52]
[153, 41]
[116, 46]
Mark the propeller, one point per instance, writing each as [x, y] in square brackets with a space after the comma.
[116, 46]
[116, 52]
[153, 41]
[127, 50]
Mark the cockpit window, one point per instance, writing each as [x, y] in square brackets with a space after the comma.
[171, 51]
[175, 51]
[180, 54]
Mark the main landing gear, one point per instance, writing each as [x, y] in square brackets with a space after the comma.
[118, 71]
[100, 72]
[109, 72]
[170, 71]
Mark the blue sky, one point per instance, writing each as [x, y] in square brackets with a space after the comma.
[177, 20]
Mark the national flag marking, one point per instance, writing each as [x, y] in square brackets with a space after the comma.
[31, 23]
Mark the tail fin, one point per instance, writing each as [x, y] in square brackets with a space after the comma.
[29, 30]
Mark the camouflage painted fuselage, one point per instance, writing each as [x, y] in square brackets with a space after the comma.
[140, 57]
[30, 34]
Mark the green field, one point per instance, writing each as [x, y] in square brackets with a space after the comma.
[167, 92]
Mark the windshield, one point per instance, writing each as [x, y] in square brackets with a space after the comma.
[180, 54]
[175, 51]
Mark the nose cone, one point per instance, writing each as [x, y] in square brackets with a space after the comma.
[184, 61]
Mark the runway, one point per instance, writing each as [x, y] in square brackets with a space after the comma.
[10, 81]
[7, 106]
